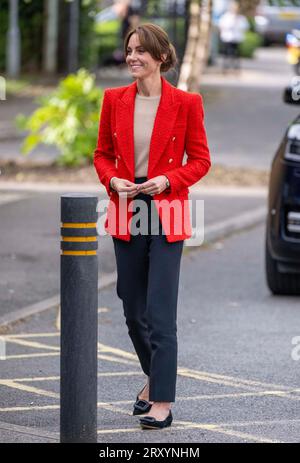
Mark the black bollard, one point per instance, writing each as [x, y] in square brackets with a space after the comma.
[79, 318]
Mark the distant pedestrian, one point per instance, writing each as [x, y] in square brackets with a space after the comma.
[130, 19]
[232, 26]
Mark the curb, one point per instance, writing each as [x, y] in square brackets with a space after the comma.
[213, 233]
[235, 224]
[50, 303]
[99, 188]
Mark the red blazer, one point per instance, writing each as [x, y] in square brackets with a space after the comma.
[178, 127]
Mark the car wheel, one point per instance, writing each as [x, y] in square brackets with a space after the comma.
[280, 283]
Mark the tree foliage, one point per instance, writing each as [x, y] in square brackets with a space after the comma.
[67, 119]
[32, 20]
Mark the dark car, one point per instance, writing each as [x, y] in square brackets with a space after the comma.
[283, 220]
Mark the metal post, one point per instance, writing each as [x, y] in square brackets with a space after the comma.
[73, 35]
[79, 318]
[51, 36]
[13, 41]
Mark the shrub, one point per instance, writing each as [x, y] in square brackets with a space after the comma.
[251, 42]
[67, 118]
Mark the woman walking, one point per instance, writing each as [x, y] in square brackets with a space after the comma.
[232, 26]
[144, 130]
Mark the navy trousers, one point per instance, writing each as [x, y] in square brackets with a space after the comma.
[148, 269]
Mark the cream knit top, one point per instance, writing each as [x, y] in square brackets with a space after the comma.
[144, 116]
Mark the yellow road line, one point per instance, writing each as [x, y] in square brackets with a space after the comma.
[29, 335]
[36, 345]
[35, 379]
[113, 405]
[210, 379]
[243, 394]
[248, 382]
[181, 370]
[136, 429]
[29, 356]
[26, 388]
[113, 408]
[178, 425]
[117, 351]
[122, 373]
[56, 378]
[225, 380]
[262, 423]
[185, 425]
[53, 354]
[228, 432]
[231, 381]
[117, 360]
[33, 407]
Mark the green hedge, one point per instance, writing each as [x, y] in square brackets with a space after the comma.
[68, 119]
[251, 42]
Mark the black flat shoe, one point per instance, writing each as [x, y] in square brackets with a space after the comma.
[149, 422]
[141, 405]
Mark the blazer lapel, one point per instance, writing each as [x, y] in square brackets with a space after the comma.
[162, 129]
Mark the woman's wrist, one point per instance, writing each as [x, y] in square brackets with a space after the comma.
[111, 183]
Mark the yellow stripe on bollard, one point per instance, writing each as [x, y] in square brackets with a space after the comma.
[79, 225]
[79, 253]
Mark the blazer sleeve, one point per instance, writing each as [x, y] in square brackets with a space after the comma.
[198, 155]
[104, 155]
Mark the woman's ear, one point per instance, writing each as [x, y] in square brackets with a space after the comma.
[163, 57]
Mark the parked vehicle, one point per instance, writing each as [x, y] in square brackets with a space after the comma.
[275, 18]
[293, 47]
[282, 249]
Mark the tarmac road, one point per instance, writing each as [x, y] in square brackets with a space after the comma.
[237, 380]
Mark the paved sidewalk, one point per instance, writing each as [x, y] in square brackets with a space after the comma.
[239, 111]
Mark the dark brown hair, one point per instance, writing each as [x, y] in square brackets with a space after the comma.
[156, 41]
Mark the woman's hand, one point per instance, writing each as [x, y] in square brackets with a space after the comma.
[124, 187]
[154, 186]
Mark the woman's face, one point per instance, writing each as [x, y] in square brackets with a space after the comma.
[140, 62]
